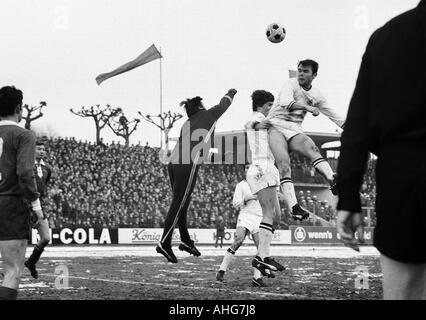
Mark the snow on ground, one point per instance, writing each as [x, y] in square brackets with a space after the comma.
[149, 251]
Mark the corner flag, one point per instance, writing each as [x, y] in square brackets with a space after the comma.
[148, 55]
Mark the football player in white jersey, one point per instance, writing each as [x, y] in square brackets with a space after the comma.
[263, 178]
[296, 98]
[248, 222]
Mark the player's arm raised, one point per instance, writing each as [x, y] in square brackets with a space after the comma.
[224, 104]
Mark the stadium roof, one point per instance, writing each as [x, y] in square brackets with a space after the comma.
[231, 146]
[319, 138]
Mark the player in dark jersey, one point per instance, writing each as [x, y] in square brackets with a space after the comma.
[43, 173]
[17, 184]
[189, 153]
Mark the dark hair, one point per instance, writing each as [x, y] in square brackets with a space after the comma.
[309, 63]
[192, 106]
[10, 97]
[260, 97]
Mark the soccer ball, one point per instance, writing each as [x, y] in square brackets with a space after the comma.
[275, 33]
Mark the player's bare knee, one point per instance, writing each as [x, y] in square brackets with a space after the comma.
[13, 272]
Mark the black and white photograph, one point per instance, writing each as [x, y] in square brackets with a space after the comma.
[211, 156]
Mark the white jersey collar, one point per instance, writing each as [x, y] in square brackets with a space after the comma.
[8, 123]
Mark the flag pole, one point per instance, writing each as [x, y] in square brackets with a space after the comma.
[161, 100]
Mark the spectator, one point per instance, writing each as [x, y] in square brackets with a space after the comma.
[220, 230]
[116, 181]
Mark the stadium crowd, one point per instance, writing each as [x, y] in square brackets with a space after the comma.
[117, 186]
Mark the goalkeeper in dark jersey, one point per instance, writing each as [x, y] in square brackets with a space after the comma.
[43, 173]
[189, 153]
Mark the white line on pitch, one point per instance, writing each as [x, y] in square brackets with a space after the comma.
[283, 295]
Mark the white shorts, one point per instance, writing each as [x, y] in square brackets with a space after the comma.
[249, 221]
[262, 177]
[287, 128]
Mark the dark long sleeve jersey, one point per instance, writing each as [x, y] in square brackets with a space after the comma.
[196, 133]
[17, 149]
[388, 108]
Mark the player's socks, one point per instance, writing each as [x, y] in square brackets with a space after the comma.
[33, 259]
[323, 167]
[287, 188]
[265, 238]
[8, 293]
[256, 273]
[227, 259]
[35, 256]
[219, 275]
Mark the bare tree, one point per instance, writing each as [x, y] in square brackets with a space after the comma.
[101, 116]
[123, 127]
[30, 110]
[166, 122]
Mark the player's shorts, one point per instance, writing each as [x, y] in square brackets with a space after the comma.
[14, 218]
[400, 231]
[287, 128]
[262, 177]
[249, 221]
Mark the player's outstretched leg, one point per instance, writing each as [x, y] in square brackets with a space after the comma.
[43, 230]
[279, 148]
[263, 260]
[165, 247]
[257, 280]
[187, 244]
[227, 259]
[304, 145]
[240, 234]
